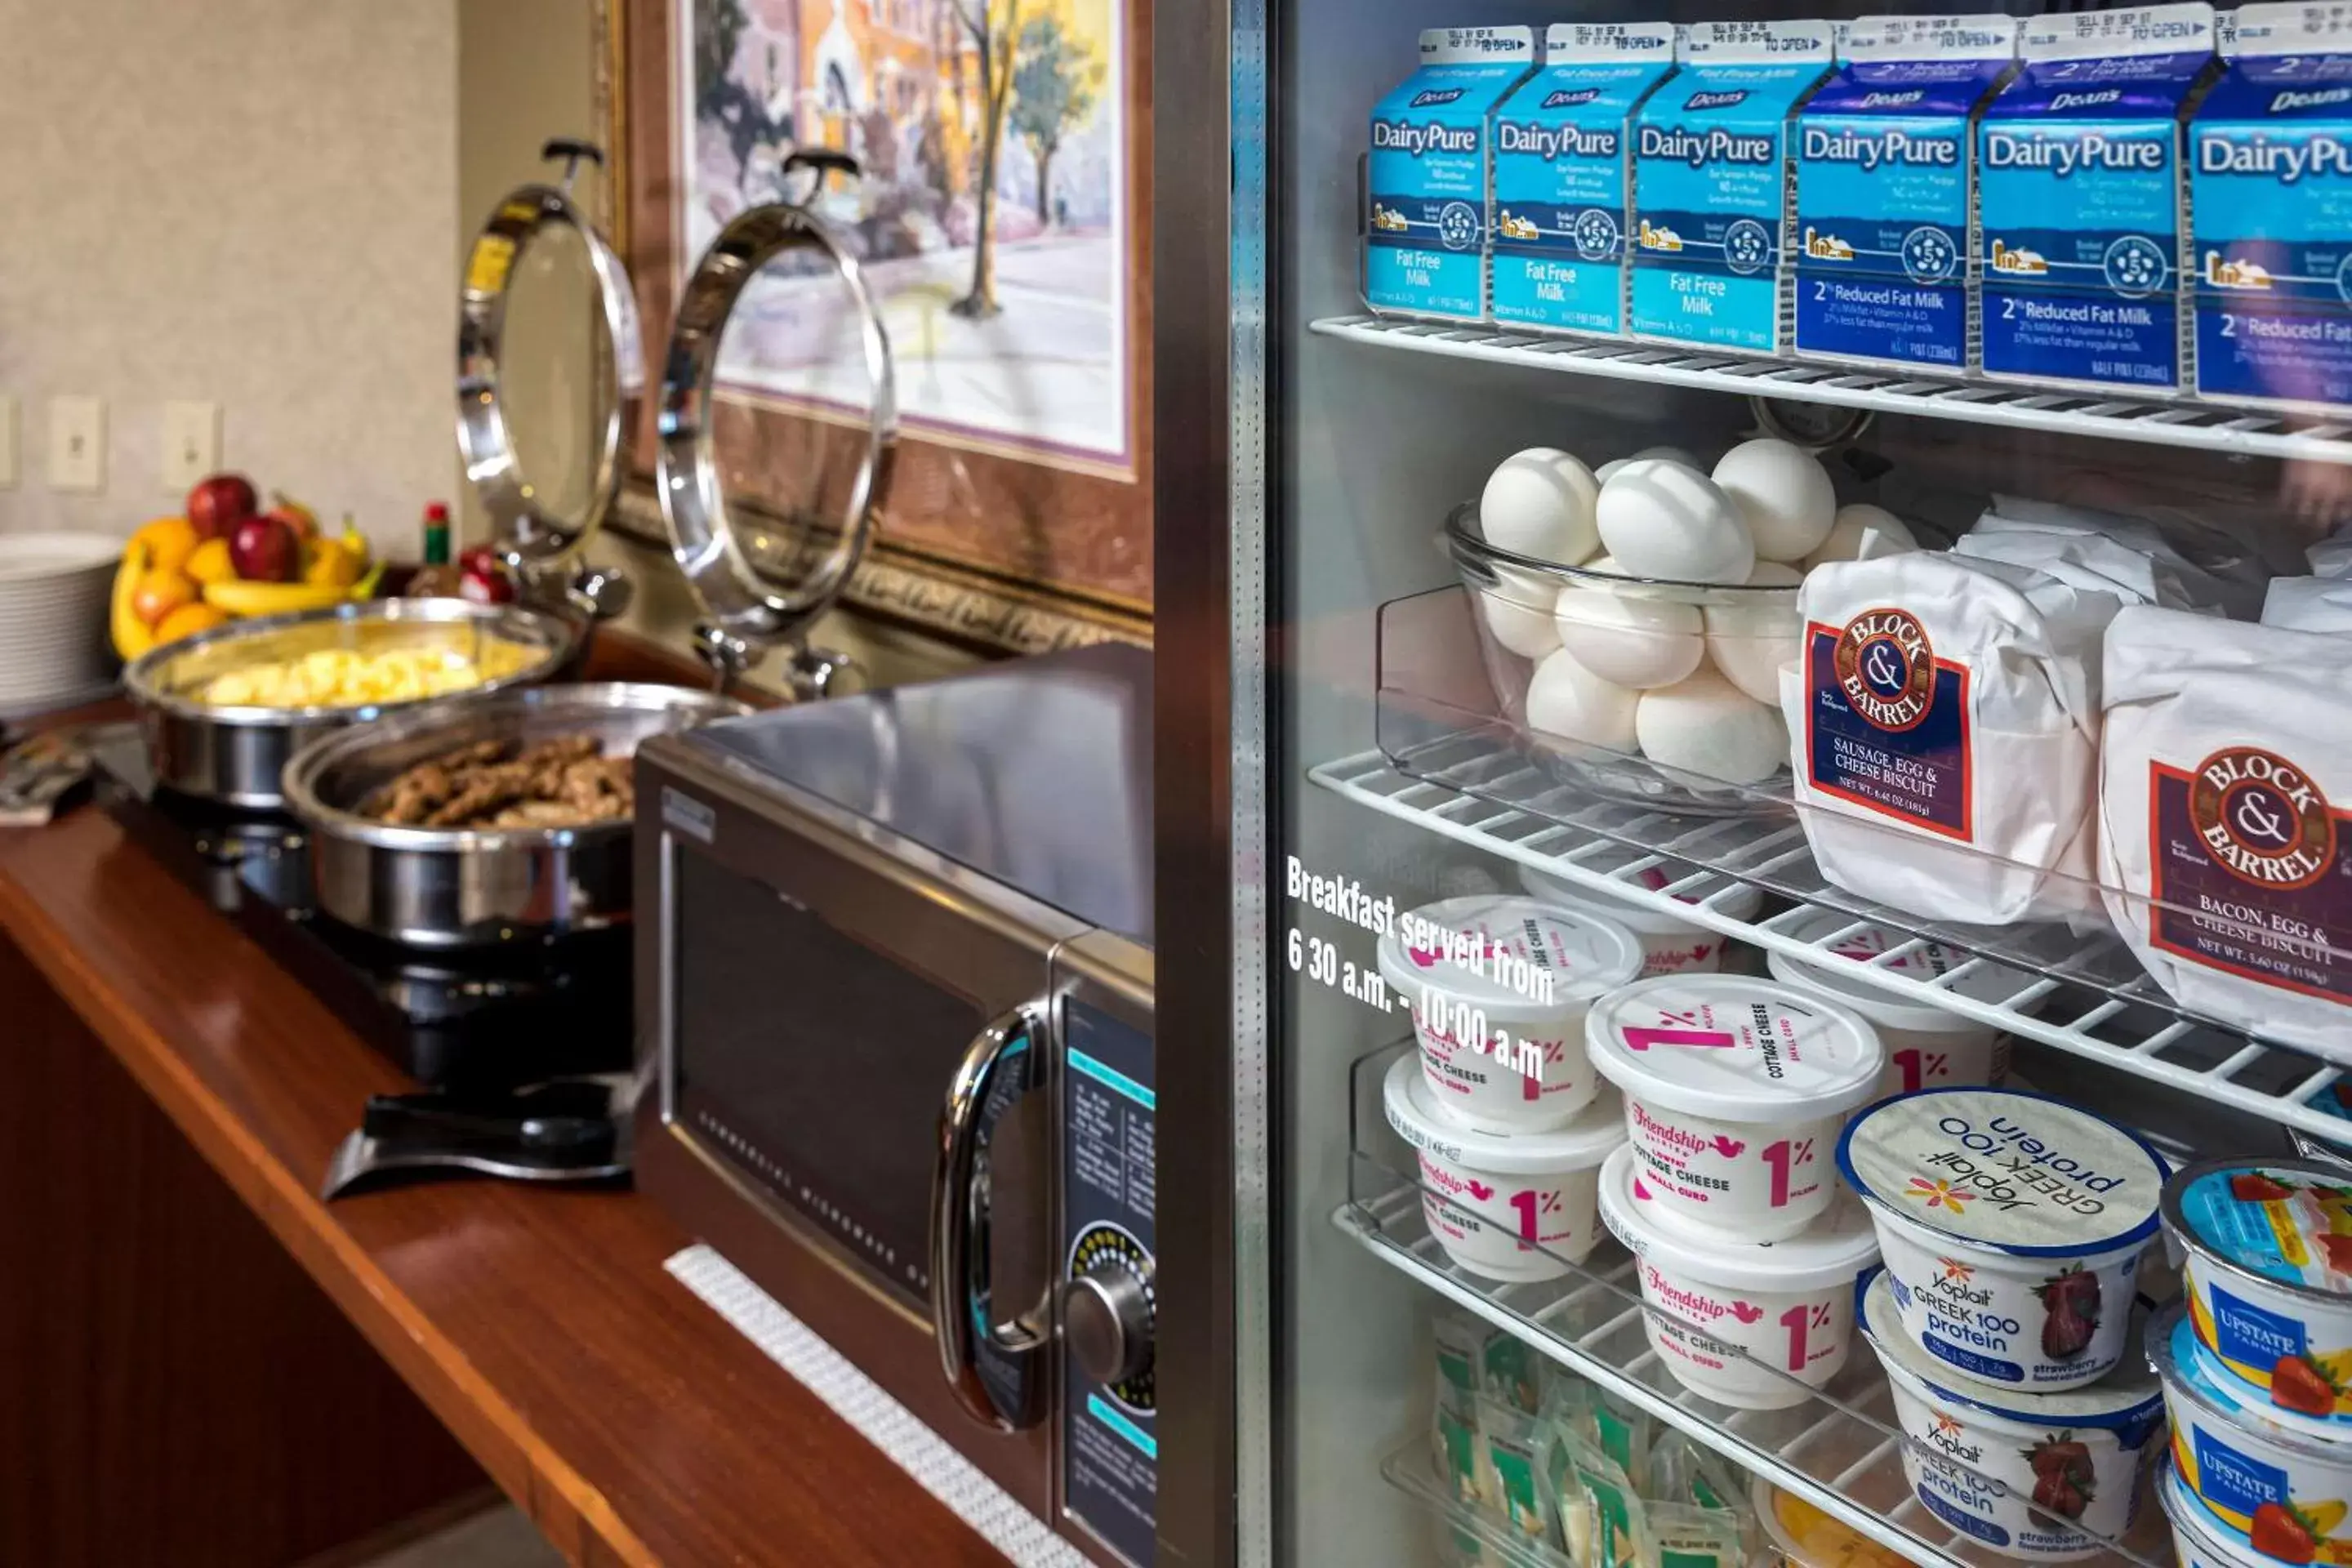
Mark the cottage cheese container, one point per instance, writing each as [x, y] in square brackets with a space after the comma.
[1785, 1307]
[1493, 980]
[2012, 1226]
[2015, 1470]
[2280, 1490]
[1505, 1197]
[1928, 1046]
[2268, 1277]
[1734, 1090]
[1669, 946]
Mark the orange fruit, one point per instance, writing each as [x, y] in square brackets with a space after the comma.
[210, 563]
[158, 593]
[171, 540]
[188, 620]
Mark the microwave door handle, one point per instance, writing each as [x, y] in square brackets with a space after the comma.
[954, 1205]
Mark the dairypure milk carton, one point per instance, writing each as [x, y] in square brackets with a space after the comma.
[2270, 177]
[1884, 191]
[2079, 185]
[1711, 155]
[1560, 166]
[1425, 245]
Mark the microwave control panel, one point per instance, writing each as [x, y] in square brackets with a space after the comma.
[1110, 1445]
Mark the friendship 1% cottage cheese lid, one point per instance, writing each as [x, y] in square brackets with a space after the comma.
[1413, 1113]
[1859, 944]
[1510, 956]
[1733, 1048]
[1832, 1251]
[2020, 1174]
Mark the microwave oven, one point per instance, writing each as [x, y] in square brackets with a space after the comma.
[895, 985]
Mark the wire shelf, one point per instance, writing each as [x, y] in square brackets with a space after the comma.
[2171, 422]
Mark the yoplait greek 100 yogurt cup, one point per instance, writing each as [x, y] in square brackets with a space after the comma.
[2198, 1539]
[1505, 1205]
[2266, 1250]
[2282, 1492]
[2039, 1477]
[1777, 1316]
[1735, 1088]
[1499, 987]
[2012, 1226]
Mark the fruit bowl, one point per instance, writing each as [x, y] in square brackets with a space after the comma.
[223, 561]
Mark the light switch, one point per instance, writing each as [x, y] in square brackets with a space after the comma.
[191, 444]
[7, 442]
[77, 444]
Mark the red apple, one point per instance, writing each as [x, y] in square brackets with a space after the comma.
[264, 550]
[219, 502]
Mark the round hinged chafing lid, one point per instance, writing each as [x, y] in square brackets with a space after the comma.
[526, 530]
[743, 603]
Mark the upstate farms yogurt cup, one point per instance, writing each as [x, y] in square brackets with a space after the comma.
[2012, 1226]
[2285, 1492]
[1504, 1195]
[2268, 1276]
[2016, 1470]
[1785, 1307]
[1669, 946]
[1928, 1046]
[2198, 1539]
[1499, 987]
[1734, 1091]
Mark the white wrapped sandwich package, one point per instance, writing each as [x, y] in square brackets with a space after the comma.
[2104, 551]
[2309, 604]
[2230, 870]
[1944, 720]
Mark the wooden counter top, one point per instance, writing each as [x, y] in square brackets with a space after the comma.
[629, 1421]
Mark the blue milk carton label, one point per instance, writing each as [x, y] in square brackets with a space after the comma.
[1561, 165]
[1882, 189]
[1711, 151]
[2078, 171]
[2270, 173]
[1426, 246]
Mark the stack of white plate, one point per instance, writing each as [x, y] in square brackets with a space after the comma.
[54, 650]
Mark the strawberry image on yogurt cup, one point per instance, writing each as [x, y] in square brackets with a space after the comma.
[1735, 1089]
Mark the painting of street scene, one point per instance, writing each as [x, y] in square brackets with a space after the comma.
[990, 219]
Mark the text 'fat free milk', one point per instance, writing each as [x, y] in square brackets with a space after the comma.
[1882, 189]
[1560, 166]
[2269, 174]
[1710, 183]
[2078, 174]
[1426, 253]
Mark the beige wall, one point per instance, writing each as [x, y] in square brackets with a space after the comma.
[246, 202]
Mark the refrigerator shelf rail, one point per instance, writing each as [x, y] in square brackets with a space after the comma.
[2083, 996]
[1840, 1450]
[2171, 422]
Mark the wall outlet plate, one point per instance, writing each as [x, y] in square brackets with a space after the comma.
[77, 444]
[191, 444]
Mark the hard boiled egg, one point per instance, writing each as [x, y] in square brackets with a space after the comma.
[1569, 701]
[1709, 727]
[1783, 492]
[1633, 640]
[1518, 611]
[1849, 534]
[1660, 519]
[1750, 641]
[1663, 454]
[1538, 503]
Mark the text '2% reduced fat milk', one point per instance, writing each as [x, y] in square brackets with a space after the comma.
[1426, 237]
[1884, 192]
[1944, 715]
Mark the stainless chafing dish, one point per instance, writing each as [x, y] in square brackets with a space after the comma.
[455, 886]
[235, 755]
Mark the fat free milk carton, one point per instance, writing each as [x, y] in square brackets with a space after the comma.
[1561, 167]
[1884, 189]
[2079, 182]
[1426, 247]
[1711, 154]
[2270, 177]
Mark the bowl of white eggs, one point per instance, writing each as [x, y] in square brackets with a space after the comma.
[1634, 618]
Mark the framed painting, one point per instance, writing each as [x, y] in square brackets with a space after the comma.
[1001, 220]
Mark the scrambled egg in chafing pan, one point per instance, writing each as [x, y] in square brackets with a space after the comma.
[341, 678]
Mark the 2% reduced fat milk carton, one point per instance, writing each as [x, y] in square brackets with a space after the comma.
[2079, 185]
[1885, 192]
[2270, 177]
[1561, 174]
[1711, 175]
[1429, 170]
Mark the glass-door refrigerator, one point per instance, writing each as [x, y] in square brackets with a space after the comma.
[1750, 705]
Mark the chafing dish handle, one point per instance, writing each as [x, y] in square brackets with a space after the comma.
[999, 1066]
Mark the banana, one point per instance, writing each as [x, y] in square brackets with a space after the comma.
[239, 597]
[132, 636]
[2324, 1516]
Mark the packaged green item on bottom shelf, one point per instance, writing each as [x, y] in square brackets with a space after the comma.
[1519, 1473]
[1683, 1536]
[1618, 1533]
[1684, 1472]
